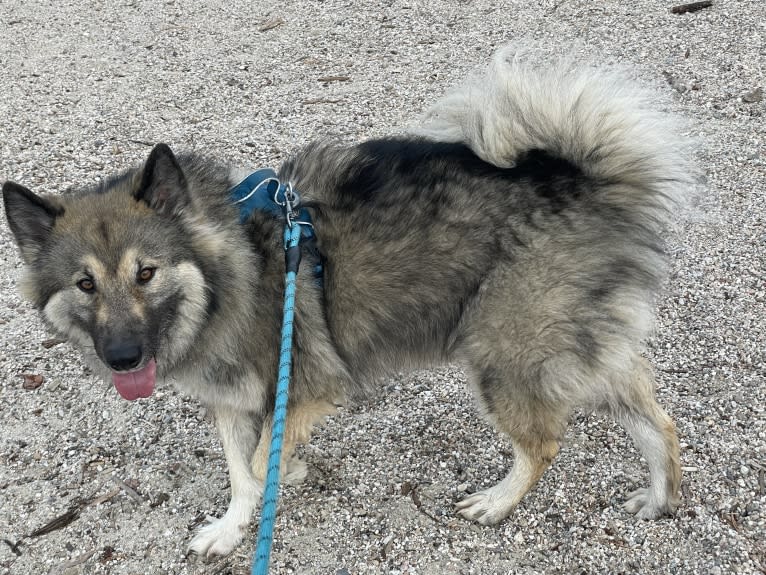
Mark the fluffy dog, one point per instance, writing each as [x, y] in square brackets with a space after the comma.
[517, 231]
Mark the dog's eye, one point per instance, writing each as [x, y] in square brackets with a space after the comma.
[145, 275]
[86, 285]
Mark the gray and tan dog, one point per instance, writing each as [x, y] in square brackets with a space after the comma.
[518, 231]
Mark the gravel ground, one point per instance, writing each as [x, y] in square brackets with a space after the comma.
[87, 87]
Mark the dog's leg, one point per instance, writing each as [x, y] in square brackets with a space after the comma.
[535, 428]
[533, 455]
[292, 469]
[655, 436]
[301, 419]
[239, 435]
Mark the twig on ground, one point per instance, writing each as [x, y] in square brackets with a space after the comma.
[71, 514]
[271, 24]
[14, 547]
[129, 490]
[49, 343]
[102, 498]
[59, 522]
[691, 7]
[328, 79]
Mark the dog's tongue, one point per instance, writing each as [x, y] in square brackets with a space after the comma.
[136, 383]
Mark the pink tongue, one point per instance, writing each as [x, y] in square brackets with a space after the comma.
[136, 383]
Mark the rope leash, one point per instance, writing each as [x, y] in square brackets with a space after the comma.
[262, 191]
[271, 492]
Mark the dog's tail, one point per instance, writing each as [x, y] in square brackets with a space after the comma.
[593, 119]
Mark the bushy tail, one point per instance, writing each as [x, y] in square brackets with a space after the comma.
[594, 119]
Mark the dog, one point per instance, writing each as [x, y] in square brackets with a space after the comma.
[517, 230]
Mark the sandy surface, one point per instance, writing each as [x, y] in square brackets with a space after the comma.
[87, 87]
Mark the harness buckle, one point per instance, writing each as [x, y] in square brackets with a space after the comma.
[291, 202]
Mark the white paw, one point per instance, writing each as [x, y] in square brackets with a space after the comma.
[484, 507]
[643, 506]
[219, 537]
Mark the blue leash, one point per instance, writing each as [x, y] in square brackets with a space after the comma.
[263, 191]
[271, 493]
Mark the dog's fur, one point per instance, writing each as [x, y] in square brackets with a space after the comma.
[518, 231]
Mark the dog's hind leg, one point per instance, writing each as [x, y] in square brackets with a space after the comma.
[535, 429]
[532, 457]
[239, 434]
[636, 409]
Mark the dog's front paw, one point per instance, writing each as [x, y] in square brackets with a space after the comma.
[218, 537]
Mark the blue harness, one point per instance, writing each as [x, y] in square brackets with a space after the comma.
[263, 191]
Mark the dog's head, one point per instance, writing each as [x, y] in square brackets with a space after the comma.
[112, 270]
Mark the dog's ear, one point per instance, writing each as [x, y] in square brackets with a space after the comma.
[163, 184]
[30, 217]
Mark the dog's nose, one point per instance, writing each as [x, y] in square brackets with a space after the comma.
[123, 356]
